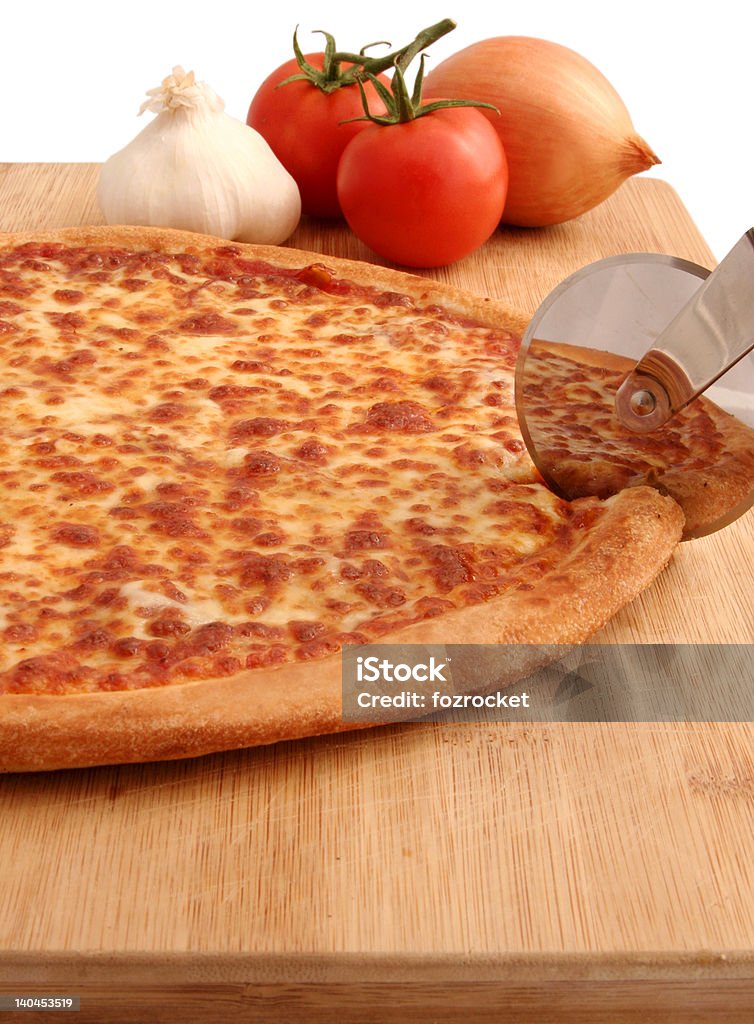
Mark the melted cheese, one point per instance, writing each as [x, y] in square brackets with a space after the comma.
[210, 466]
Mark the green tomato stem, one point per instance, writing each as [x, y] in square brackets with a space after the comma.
[400, 106]
[333, 76]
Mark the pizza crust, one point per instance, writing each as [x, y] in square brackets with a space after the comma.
[612, 562]
[616, 560]
[713, 496]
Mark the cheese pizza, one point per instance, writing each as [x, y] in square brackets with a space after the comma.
[221, 463]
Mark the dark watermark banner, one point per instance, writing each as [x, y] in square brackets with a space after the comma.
[548, 683]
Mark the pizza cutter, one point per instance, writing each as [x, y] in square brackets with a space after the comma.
[650, 334]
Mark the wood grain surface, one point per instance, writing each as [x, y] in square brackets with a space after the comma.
[508, 872]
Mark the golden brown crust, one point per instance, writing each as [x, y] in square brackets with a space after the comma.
[617, 559]
[608, 566]
[598, 358]
[712, 496]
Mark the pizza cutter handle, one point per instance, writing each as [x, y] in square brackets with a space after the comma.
[712, 332]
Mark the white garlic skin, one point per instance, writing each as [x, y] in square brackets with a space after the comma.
[196, 168]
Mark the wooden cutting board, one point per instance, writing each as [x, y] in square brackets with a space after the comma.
[506, 872]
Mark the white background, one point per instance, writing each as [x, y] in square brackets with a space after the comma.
[73, 74]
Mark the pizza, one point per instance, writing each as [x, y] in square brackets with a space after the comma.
[702, 457]
[219, 464]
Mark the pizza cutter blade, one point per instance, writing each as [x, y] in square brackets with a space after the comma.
[611, 370]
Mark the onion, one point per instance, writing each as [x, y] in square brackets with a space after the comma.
[566, 132]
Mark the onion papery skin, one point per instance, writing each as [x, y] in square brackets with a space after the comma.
[567, 134]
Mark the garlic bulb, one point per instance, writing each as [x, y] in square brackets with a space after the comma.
[195, 167]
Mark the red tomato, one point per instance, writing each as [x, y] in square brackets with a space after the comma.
[302, 125]
[425, 192]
